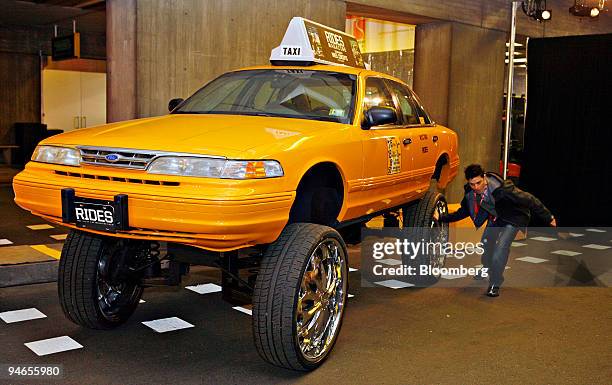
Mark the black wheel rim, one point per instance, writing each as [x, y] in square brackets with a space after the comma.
[115, 291]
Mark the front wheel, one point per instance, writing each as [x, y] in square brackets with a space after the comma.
[94, 289]
[300, 296]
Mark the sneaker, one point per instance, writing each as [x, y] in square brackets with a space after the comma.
[493, 291]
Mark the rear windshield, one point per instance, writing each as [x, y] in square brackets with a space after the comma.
[289, 93]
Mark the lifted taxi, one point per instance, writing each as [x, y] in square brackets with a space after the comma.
[265, 173]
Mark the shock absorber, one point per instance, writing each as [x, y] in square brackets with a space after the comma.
[152, 260]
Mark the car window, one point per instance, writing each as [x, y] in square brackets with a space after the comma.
[409, 109]
[422, 113]
[317, 95]
[376, 94]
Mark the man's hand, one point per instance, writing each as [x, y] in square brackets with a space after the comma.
[553, 223]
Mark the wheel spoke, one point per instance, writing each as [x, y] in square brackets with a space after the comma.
[320, 300]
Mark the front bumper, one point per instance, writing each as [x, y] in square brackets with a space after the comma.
[200, 214]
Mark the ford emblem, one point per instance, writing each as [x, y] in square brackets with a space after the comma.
[112, 158]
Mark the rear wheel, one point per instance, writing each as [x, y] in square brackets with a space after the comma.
[300, 295]
[95, 289]
[418, 218]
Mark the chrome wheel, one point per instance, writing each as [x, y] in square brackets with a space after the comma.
[321, 299]
[439, 234]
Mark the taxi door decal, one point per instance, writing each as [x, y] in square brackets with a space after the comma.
[394, 158]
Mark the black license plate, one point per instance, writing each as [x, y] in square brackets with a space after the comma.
[95, 214]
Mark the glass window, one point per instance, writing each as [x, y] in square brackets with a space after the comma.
[291, 93]
[376, 94]
[406, 102]
[422, 113]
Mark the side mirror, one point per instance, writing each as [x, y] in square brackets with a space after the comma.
[378, 116]
[173, 103]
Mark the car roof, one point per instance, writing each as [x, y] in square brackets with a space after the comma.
[324, 67]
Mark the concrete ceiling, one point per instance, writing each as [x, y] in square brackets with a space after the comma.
[90, 15]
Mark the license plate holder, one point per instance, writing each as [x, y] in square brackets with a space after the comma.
[95, 214]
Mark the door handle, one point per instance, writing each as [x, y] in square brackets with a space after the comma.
[83, 121]
[76, 122]
[407, 141]
[435, 138]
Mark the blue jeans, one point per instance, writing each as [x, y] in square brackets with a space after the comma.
[496, 240]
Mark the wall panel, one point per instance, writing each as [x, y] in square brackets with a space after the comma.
[121, 60]
[459, 76]
[19, 92]
[432, 68]
[182, 44]
[476, 87]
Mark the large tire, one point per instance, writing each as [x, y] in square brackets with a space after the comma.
[85, 285]
[418, 219]
[289, 284]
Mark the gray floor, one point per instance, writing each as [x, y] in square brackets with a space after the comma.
[436, 335]
[550, 325]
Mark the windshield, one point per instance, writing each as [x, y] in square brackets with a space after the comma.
[290, 93]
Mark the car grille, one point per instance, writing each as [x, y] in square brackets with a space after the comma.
[117, 179]
[134, 159]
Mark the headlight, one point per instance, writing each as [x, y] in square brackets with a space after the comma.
[57, 155]
[215, 168]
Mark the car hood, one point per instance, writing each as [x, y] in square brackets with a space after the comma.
[219, 135]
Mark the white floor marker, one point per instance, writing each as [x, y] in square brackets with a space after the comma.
[544, 239]
[394, 284]
[21, 315]
[164, 325]
[566, 252]
[390, 262]
[205, 288]
[452, 276]
[596, 230]
[596, 247]
[243, 310]
[532, 259]
[53, 345]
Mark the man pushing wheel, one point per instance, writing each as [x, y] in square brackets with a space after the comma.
[505, 208]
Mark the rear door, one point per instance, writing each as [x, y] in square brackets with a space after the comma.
[424, 147]
[386, 160]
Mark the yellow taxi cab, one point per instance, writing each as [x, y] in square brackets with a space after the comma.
[265, 168]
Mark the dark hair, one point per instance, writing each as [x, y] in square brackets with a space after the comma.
[473, 170]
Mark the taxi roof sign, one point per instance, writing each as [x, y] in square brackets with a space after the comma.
[306, 42]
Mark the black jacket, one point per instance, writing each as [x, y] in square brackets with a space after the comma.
[512, 205]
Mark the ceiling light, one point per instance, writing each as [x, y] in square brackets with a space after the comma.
[588, 8]
[537, 10]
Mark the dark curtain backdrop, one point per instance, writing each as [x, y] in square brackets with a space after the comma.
[568, 134]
